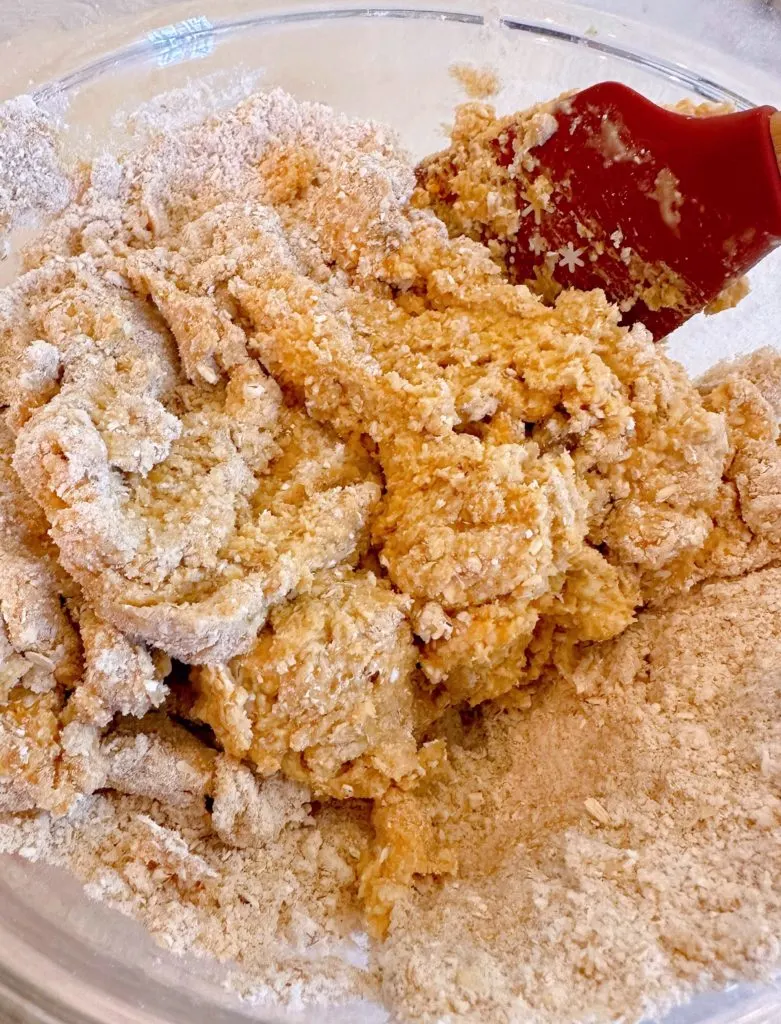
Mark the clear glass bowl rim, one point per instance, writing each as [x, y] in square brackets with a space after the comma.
[144, 49]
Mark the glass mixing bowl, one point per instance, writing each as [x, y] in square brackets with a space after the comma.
[64, 959]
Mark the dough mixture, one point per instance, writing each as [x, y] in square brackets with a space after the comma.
[346, 586]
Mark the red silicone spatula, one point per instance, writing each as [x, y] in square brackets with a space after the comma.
[661, 210]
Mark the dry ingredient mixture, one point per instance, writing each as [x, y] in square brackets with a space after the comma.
[345, 585]
[32, 179]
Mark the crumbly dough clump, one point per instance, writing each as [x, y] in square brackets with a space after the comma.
[292, 482]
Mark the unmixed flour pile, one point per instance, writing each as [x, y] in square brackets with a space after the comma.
[347, 586]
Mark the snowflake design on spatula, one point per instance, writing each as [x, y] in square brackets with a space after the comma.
[537, 245]
[570, 257]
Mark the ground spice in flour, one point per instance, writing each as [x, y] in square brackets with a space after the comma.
[345, 584]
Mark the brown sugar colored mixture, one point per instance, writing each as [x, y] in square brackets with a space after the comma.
[345, 584]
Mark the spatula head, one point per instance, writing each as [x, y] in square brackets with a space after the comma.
[662, 210]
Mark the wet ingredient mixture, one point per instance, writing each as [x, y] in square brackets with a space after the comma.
[347, 586]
